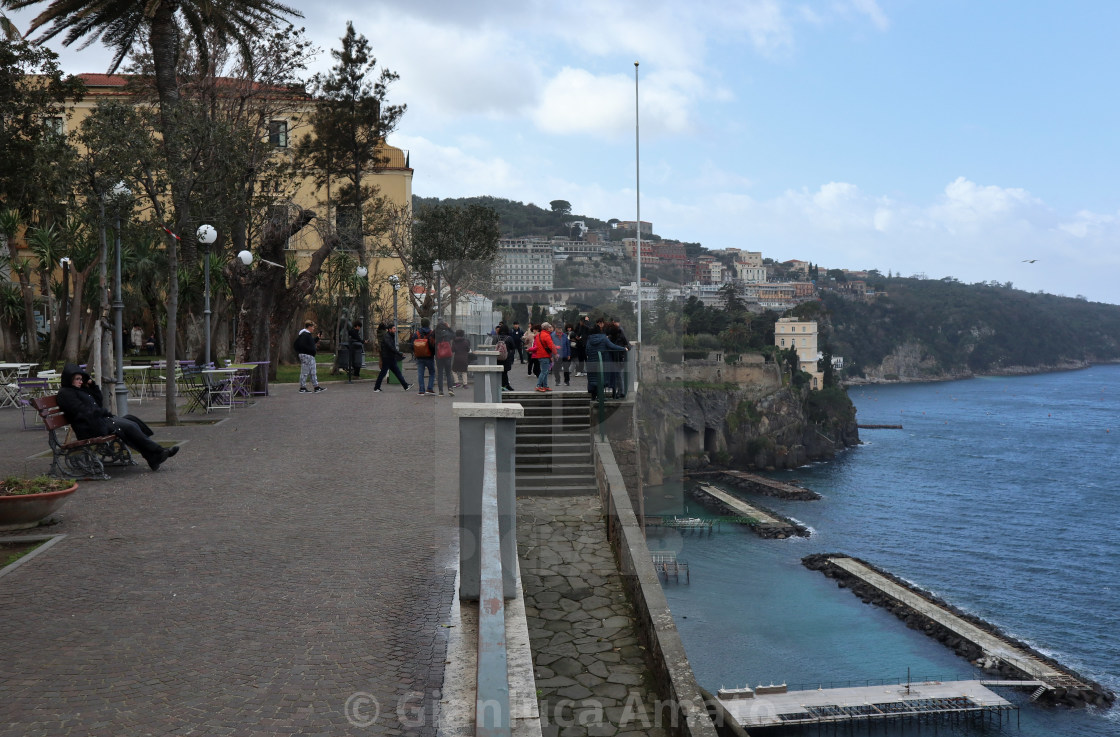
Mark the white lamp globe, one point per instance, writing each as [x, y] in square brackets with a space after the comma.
[245, 257]
[361, 271]
[206, 234]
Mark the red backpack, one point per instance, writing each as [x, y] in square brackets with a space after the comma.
[443, 349]
[422, 346]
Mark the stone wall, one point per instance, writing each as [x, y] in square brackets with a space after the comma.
[670, 669]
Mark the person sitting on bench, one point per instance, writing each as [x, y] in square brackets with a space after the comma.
[90, 420]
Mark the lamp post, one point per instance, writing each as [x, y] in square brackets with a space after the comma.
[120, 391]
[638, 199]
[206, 237]
[437, 267]
[361, 272]
[64, 262]
[396, 282]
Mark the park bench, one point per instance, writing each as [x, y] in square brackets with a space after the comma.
[78, 459]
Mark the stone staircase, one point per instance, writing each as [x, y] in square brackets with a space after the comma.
[553, 444]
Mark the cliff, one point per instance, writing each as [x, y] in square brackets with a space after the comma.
[690, 425]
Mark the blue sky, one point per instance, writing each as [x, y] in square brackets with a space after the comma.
[936, 137]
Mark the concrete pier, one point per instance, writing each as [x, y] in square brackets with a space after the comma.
[970, 637]
[763, 522]
[762, 485]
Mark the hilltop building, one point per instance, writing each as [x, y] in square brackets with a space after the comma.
[789, 332]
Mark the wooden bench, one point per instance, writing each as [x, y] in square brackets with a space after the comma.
[78, 459]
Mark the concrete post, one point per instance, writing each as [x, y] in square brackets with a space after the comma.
[486, 357]
[487, 382]
[632, 361]
[473, 418]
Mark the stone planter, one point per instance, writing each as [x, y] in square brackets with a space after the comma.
[21, 511]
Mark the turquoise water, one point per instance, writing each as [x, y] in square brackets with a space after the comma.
[1001, 495]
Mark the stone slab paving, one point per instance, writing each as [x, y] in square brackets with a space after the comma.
[289, 572]
[590, 668]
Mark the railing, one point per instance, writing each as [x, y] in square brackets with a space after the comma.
[488, 537]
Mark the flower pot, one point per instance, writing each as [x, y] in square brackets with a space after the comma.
[20, 511]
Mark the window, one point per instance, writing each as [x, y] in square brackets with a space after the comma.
[348, 227]
[278, 133]
[53, 125]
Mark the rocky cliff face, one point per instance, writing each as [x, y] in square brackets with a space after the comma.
[688, 427]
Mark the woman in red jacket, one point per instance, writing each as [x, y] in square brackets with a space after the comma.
[543, 351]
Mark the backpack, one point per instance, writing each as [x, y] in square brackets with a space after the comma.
[443, 349]
[422, 347]
[503, 351]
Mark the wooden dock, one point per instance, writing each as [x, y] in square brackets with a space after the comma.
[763, 522]
[975, 639]
[771, 706]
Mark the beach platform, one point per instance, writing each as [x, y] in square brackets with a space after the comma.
[772, 706]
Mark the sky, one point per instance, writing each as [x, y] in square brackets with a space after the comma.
[972, 139]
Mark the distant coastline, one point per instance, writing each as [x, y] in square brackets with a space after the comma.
[1007, 371]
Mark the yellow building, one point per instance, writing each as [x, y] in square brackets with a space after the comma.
[789, 332]
[289, 118]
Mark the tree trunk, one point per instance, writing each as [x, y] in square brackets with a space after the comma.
[29, 313]
[74, 328]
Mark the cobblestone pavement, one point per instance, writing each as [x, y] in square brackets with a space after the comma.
[590, 667]
[288, 572]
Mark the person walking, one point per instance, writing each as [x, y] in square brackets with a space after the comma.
[543, 351]
[504, 339]
[90, 420]
[423, 351]
[390, 358]
[461, 358]
[518, 336]
[530, 340]
[305, 345]
[564, 353]
[579, 344]
[136, 335]
[443, 336]
[356, 347]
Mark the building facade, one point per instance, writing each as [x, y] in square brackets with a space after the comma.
[801, 335]
[523, 264]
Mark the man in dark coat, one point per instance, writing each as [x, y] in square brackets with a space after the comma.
[390, 358]
[90, 420]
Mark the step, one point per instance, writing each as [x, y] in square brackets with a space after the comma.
[574, 458]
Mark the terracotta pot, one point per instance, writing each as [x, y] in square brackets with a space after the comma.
[21, 511]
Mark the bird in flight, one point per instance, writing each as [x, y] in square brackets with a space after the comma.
[1029, 260]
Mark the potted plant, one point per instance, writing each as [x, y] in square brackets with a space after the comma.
[25, 502]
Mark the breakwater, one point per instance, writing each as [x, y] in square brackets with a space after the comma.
[972, 638]
[762, 521]
[760, 484]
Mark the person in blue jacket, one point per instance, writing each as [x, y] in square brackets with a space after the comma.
[599, 349]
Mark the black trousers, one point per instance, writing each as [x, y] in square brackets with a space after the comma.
[386, 367]
[134, 437]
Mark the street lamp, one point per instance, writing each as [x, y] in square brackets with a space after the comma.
[64, 262]
[396, 282]
[437, 267]
[206, 236]
[120, 391]
[361, 272]
[246, 257]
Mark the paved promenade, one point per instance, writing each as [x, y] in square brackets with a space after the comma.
[288, 572]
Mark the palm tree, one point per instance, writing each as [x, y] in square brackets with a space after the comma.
[121, 25]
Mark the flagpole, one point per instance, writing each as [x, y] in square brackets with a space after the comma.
[638, 191]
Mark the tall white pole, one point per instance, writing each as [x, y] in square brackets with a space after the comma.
[638, 190]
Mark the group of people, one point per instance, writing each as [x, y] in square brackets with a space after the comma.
[597, 349]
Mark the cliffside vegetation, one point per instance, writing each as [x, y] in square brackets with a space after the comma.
[928, 329]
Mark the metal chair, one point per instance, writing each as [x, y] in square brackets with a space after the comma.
[196, 391]
[219, 392]
[26, 390]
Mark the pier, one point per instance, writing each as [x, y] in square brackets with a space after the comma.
[951, 701]
[879, 427]
[971, 637]
[763, 522]
[762, 485]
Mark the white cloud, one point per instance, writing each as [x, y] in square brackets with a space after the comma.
[871, 9]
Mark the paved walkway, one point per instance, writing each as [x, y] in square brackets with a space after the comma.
[590, 669]
[288, 572]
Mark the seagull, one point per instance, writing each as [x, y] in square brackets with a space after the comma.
[1029, 260]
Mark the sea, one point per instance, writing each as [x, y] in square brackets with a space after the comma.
[1001, 495]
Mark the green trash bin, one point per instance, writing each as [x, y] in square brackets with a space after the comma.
[391, 378]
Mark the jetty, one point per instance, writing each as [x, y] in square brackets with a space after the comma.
[762, 485]
[762, 522]
[951, 701]
[879, 427]
[971, 637]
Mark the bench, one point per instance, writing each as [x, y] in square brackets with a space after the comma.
[78, 459]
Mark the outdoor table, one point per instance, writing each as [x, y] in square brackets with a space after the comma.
[263, 366]
[242, 380]
[136, 377]
[8, 390]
